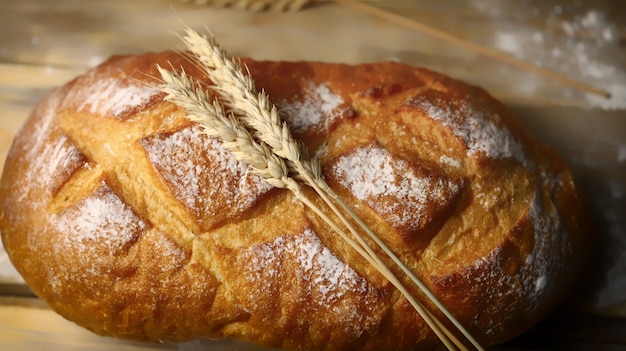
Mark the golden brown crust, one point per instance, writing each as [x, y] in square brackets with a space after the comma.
[128, 221]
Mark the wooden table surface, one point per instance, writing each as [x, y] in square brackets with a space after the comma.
[45, 43]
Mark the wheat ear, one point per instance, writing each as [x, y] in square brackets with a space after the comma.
[255, 109]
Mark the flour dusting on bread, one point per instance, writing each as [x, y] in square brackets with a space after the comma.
[128, 220]
[317, 110]
[50, 160]
[327, 278]
[395, 188]
[100, 220]
[480, 129]
[204, 176]
[114, 97]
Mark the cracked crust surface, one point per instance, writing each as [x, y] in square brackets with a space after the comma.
[128, 221]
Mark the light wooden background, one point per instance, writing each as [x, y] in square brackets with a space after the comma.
[45, 43]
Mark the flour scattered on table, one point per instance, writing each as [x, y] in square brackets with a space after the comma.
[582, 44]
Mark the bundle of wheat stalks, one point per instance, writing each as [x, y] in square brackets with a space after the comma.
[249, 126]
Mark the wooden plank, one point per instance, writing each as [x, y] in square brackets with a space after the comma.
[29, 325]
[20, 76]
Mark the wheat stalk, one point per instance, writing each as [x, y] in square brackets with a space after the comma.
[255, 109]
[183, 91]
[239, 93]
[235, 138]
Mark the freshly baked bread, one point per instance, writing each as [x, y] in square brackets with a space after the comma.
[127, 220]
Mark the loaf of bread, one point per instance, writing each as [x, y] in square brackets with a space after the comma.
[128, 221]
